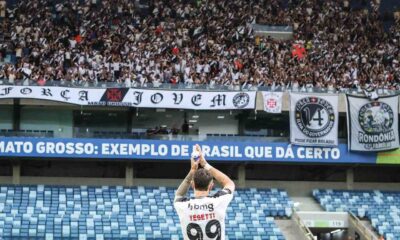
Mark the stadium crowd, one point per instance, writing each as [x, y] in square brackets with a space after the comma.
[82, 42]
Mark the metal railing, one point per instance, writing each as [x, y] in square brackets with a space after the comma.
[144, 135]
[204, 87]
[112, 84]
[26, 133]
[366, 232]
[307, 232]
[178, 137]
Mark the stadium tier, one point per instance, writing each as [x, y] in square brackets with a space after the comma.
[200, 42]
[55, 212]
[275, 94]
[382, 208]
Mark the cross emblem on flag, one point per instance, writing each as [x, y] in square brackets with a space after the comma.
[114, 95]
[271, 103]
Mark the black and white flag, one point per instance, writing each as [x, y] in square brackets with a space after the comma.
[373, 125]
[313, 119]
[135, 97]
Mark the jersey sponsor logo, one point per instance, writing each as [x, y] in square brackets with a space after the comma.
[241, 100]
[207, 206]
[315, 117]
[376, 120]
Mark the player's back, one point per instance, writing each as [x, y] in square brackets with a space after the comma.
[204, 218]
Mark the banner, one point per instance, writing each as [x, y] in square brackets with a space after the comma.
[140, 149]
[390, 157]
[132, 97]
[314, 119]
[373, 125]
[272, 102]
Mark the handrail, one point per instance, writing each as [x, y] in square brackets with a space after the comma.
[307, 233]
[204, 87]
[366, 232]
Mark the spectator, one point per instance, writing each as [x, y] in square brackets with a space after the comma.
[205, 42]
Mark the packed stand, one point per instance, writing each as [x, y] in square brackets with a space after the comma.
[84, 42]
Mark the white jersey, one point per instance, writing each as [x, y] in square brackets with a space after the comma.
[204, 218]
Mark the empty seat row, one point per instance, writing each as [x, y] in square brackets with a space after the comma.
[82, 212]
[382, 208]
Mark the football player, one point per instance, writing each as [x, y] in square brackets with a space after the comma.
[203, 217]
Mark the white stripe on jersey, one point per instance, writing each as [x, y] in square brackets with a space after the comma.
[204, 218]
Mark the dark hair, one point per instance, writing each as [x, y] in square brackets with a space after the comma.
[202, 179]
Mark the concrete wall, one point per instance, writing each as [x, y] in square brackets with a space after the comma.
[47, 118]
[310, 219]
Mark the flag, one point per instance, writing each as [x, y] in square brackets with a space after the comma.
[272, 102]
[298, 51]
[314, 119]
[373, 125]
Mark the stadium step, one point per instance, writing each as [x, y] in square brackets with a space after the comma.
[363, 227]
[290, 229]
[367, 225]
[380, 207]
[306, 204]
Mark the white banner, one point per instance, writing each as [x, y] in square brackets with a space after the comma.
[131, 97]
[373, 125]
[272, 102]
[314, 119]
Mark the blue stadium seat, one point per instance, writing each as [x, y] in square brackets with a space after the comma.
[380, 207]
[55, 212]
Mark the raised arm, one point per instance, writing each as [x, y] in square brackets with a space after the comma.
[185, 185]
[219, 176]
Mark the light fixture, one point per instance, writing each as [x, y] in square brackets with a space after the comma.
[336, 231]
[195, 116]
[193, 121]
[220, 116]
